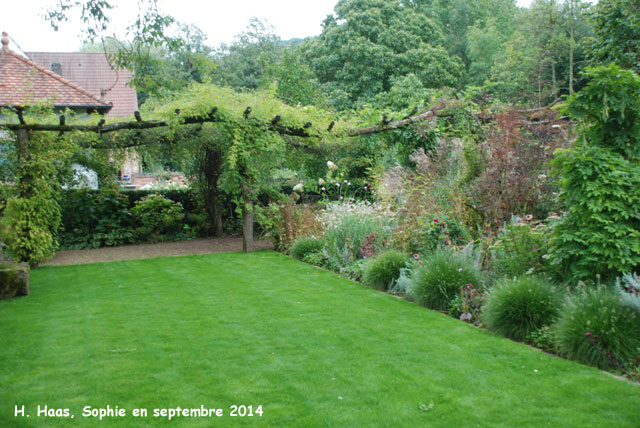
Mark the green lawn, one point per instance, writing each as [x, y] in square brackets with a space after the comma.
[263, 329]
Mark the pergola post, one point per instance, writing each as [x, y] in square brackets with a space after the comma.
[23, 155]
[247, 219]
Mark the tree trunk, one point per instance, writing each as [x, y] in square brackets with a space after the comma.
[212, 170]
[540, 84]
[247, 219]
[572, 41]
[553, 78]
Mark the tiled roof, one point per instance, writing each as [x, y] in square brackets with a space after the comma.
[24, 82]
[93, 72]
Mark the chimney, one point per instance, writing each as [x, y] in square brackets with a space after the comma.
[5, 42]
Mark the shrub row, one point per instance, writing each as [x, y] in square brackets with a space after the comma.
[109, 217]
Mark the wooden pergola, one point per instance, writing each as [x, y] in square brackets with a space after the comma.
[23, 128]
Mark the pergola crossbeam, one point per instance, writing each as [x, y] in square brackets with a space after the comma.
[140, 124]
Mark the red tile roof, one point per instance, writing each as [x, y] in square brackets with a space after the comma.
[93, 72]
[24, 82]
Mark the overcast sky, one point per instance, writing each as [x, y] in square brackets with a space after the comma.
[220, 20]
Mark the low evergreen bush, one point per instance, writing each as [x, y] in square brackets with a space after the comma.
[304, 246]
[98, 218]
[438, 281]
[517, 307]
[596, 328]
[382, 271]
[157, 216]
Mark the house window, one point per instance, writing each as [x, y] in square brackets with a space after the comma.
[56, 68]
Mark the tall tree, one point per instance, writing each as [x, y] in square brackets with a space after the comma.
[616, 27]
[541, 59]
[600, 177]
[460, 21]
[293, 80]
[365, 44]
[243, 62]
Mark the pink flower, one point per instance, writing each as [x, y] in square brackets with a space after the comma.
[436, 220]
[416, 256]
[459, 269]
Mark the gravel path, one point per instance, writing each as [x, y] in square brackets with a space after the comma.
[147, 251]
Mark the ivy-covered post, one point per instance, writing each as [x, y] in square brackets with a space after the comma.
[23, 154]
[32, 216]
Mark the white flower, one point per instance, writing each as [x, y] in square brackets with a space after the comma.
[298, 187]
[337, 184]
[332, 166]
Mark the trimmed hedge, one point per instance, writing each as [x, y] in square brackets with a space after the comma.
[99, 218]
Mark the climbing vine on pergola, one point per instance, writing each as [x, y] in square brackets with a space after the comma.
[256, 128]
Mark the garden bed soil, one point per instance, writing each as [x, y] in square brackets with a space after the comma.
[147, 251]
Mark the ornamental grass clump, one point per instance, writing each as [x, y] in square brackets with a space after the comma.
[438, 281]
[517, 307]
[305, 246]
[596, 328]
[382, 271]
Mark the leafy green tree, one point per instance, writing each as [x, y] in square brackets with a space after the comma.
[293, 80]
[366, 44]
[600, 177]
[616, 27]
[460, 21]
[538, 63]
[486, 39]
[242, 63]
[516, 69]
